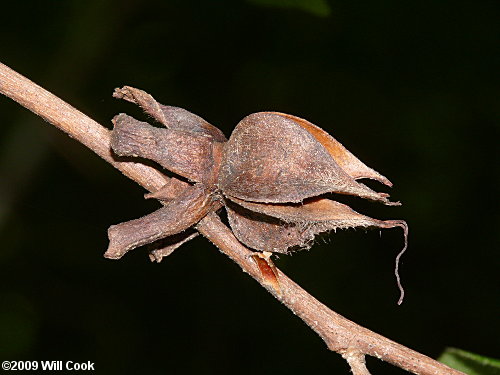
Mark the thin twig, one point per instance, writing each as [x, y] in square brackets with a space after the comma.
[340, 334]
[356, 360]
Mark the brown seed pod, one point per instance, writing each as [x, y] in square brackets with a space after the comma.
[271, 175]
[276, 158]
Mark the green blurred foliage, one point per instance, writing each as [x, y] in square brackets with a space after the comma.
[411, 88]
[317, 7]
[470, 363]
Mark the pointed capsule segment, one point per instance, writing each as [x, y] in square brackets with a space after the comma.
[265, 233]
[345, 159]
[270, 158]
[320, 213]
[279, 227]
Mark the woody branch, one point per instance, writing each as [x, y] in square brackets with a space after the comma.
[341, 335]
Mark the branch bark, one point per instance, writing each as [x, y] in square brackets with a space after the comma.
[357, 362]
[340, 334]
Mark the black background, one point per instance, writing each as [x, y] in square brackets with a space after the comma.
[411, 88]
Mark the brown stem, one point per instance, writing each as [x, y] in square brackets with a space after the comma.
[340, 334]
[356, 360]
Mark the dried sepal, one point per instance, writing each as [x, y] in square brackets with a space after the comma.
[171, 117]
[158, 254]
[142, 99]
[270, 158]
[300, 222]
[184, 120]
[172, 189]
[187, 154]
[176, 216]
[313, 210]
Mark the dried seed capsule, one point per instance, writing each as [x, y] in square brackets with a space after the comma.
[276, 158]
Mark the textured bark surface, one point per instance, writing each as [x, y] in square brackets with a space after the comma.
[340, 334]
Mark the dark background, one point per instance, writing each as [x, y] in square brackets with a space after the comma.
[411, 88]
